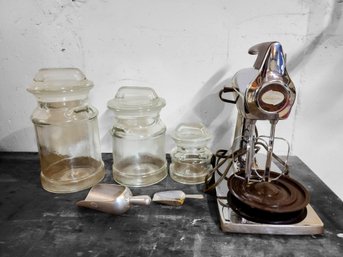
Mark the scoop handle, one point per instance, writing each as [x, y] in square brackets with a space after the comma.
[140, 200]
[194, 196]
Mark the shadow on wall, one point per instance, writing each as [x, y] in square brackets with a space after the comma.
[23, 140]
[106, 122]
[217, 116]
[316, 13]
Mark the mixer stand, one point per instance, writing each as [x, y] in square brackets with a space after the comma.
[233, 223]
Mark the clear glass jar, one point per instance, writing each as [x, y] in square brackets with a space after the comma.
[66, 131]
[190, 159]
[138, 137]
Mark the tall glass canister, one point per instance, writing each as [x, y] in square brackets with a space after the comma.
[66, 131]
[138, 137]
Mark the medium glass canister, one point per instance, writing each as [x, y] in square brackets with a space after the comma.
[67, 131]
[138, 137]
[191, 158]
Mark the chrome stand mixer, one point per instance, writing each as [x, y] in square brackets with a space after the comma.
[254, 194]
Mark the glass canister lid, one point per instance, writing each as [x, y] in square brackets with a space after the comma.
[60, 84]
[191, 135]
[133, 100]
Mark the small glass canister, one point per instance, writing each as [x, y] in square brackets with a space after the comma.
[190, 159]
[138, 137]
[66, 131]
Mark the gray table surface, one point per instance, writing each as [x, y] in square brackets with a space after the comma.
[34, 222]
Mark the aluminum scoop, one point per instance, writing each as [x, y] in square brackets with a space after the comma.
[113, 199]
[174, 197]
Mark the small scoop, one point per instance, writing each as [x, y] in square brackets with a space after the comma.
[113, 199]
[174, 197]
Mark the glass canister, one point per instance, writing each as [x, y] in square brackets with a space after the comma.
[66, 131]
[191, 158]
[138, 137]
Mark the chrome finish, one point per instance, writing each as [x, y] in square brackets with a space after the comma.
[270, 92]
[250, 149]
[264, 92]
[270, 151]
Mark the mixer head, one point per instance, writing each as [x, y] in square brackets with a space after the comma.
[265, 92]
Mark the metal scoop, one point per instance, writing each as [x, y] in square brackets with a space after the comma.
[113, 199]
[174, 197]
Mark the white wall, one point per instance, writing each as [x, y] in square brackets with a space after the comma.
[187, 50]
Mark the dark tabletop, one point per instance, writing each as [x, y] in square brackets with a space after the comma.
[34, 222]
